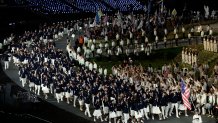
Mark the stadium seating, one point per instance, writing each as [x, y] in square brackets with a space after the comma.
[125, 5]
[73, 6]
[50, 6]
[89, 5]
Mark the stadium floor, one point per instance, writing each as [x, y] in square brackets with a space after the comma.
[52, 111]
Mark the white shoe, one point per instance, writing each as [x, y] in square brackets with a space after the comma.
[177, 116]
[118, 121]
[105, 119]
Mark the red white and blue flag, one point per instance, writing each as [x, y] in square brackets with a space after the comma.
[185, 95]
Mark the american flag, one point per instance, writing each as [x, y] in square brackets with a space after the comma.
[185, 95]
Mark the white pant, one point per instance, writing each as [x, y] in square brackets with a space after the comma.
[74, 100]
[163, 111]
[53, 61]
[37, 89]
[23, 81]
[203, 110]
[126, 117]
[51, 88]
[167, 109]
[87, 109]
[6, 65]
[172, 107]
[59, 96]
[146, 112]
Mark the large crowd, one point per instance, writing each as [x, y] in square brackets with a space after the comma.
[131, 93]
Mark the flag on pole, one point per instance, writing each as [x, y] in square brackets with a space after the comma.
[174, 12]
[98, 16]
[100, 13]
[185, 95]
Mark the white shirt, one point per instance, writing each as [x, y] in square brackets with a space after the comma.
[100, 45]
[189, 35]
[156, 38]
[146, 40]
[183, 29]
[78, 50]
[86, 63]
[89, 42]
[128, 41]
[130, 35]
[203, 98]
[90, 66]
[143, 33]
[95, 66]
[106, 38]
[210, 32]
[94, 41]
[175, 31]
[121, 42]
[165, 31]
[74, 55]
[5, 42]
[78, 57]
[117, 37]
[113, 44]
[202, 33]
[106, 45]
[105, 71]
[197, 119]
[155, 32]
[82, 61]
[92, 47]
[99, 51]
[165, 38]
[176, 36]
[86, 39]
[100, 70]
